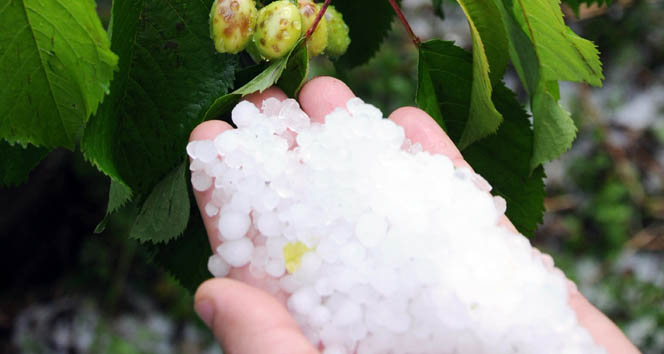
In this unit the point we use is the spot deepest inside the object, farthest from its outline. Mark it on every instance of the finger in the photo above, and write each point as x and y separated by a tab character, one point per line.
208	130
246	320
322	95
421	128
601	328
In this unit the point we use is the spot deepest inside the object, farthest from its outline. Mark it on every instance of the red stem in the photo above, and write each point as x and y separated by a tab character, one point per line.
318	17
405	23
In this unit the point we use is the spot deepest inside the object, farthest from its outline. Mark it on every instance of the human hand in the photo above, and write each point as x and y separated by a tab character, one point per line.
245	319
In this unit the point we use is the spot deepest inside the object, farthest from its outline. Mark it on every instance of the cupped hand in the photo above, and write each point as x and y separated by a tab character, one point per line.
247	320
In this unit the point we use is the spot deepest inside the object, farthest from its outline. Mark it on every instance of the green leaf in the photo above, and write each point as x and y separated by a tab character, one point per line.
446	77
522	52
56	68
504	160
248	73
438	8
118	196
165	212
544	50
186	257
264	80
100	138
446	74
369	22
296	71
425	97
17	161
554	128
489	55
488	33
222	105
562	54
169	76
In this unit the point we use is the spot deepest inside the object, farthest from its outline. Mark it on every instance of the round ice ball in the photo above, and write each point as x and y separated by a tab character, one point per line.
237	253
217	266
371	229
233	225
304	300
200	180
244	114
269	225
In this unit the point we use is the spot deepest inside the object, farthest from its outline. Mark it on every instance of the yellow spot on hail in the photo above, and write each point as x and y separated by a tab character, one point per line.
293	253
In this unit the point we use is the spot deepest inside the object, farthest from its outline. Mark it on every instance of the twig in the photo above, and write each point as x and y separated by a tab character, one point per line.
405	23
317	19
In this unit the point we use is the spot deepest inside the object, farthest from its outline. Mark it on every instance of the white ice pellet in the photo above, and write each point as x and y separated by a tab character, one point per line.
304	300
328	250
205	151
217	266
415	148
324	286
295	119
377	246
500	203
275	246
237	253
269	224
271	107
219	197
370	229
319	316
191	150
197	165
233	225
353	253
200	180
211	209
464	173
348	313
357	108
289	283
244	114
481	183
275	267
335	349
309	265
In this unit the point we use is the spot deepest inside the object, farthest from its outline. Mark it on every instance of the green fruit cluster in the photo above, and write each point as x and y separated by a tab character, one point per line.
272	31
232	23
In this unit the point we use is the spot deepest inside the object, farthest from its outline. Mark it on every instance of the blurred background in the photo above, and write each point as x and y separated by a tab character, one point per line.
68	290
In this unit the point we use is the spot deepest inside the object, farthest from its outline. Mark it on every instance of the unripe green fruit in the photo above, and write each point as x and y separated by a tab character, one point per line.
278	28
337	33
232	24
318	40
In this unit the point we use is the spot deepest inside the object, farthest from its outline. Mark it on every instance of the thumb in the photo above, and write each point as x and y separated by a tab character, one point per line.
246	320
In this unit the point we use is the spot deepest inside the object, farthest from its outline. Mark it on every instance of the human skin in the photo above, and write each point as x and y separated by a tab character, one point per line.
248	320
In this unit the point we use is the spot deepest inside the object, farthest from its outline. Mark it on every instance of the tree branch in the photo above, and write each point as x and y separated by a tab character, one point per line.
317	19
405	23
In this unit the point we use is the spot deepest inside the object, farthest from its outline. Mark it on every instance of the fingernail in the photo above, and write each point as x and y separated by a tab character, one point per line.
205	311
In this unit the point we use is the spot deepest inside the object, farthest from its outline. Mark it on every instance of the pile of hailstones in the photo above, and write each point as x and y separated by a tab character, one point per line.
377	246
